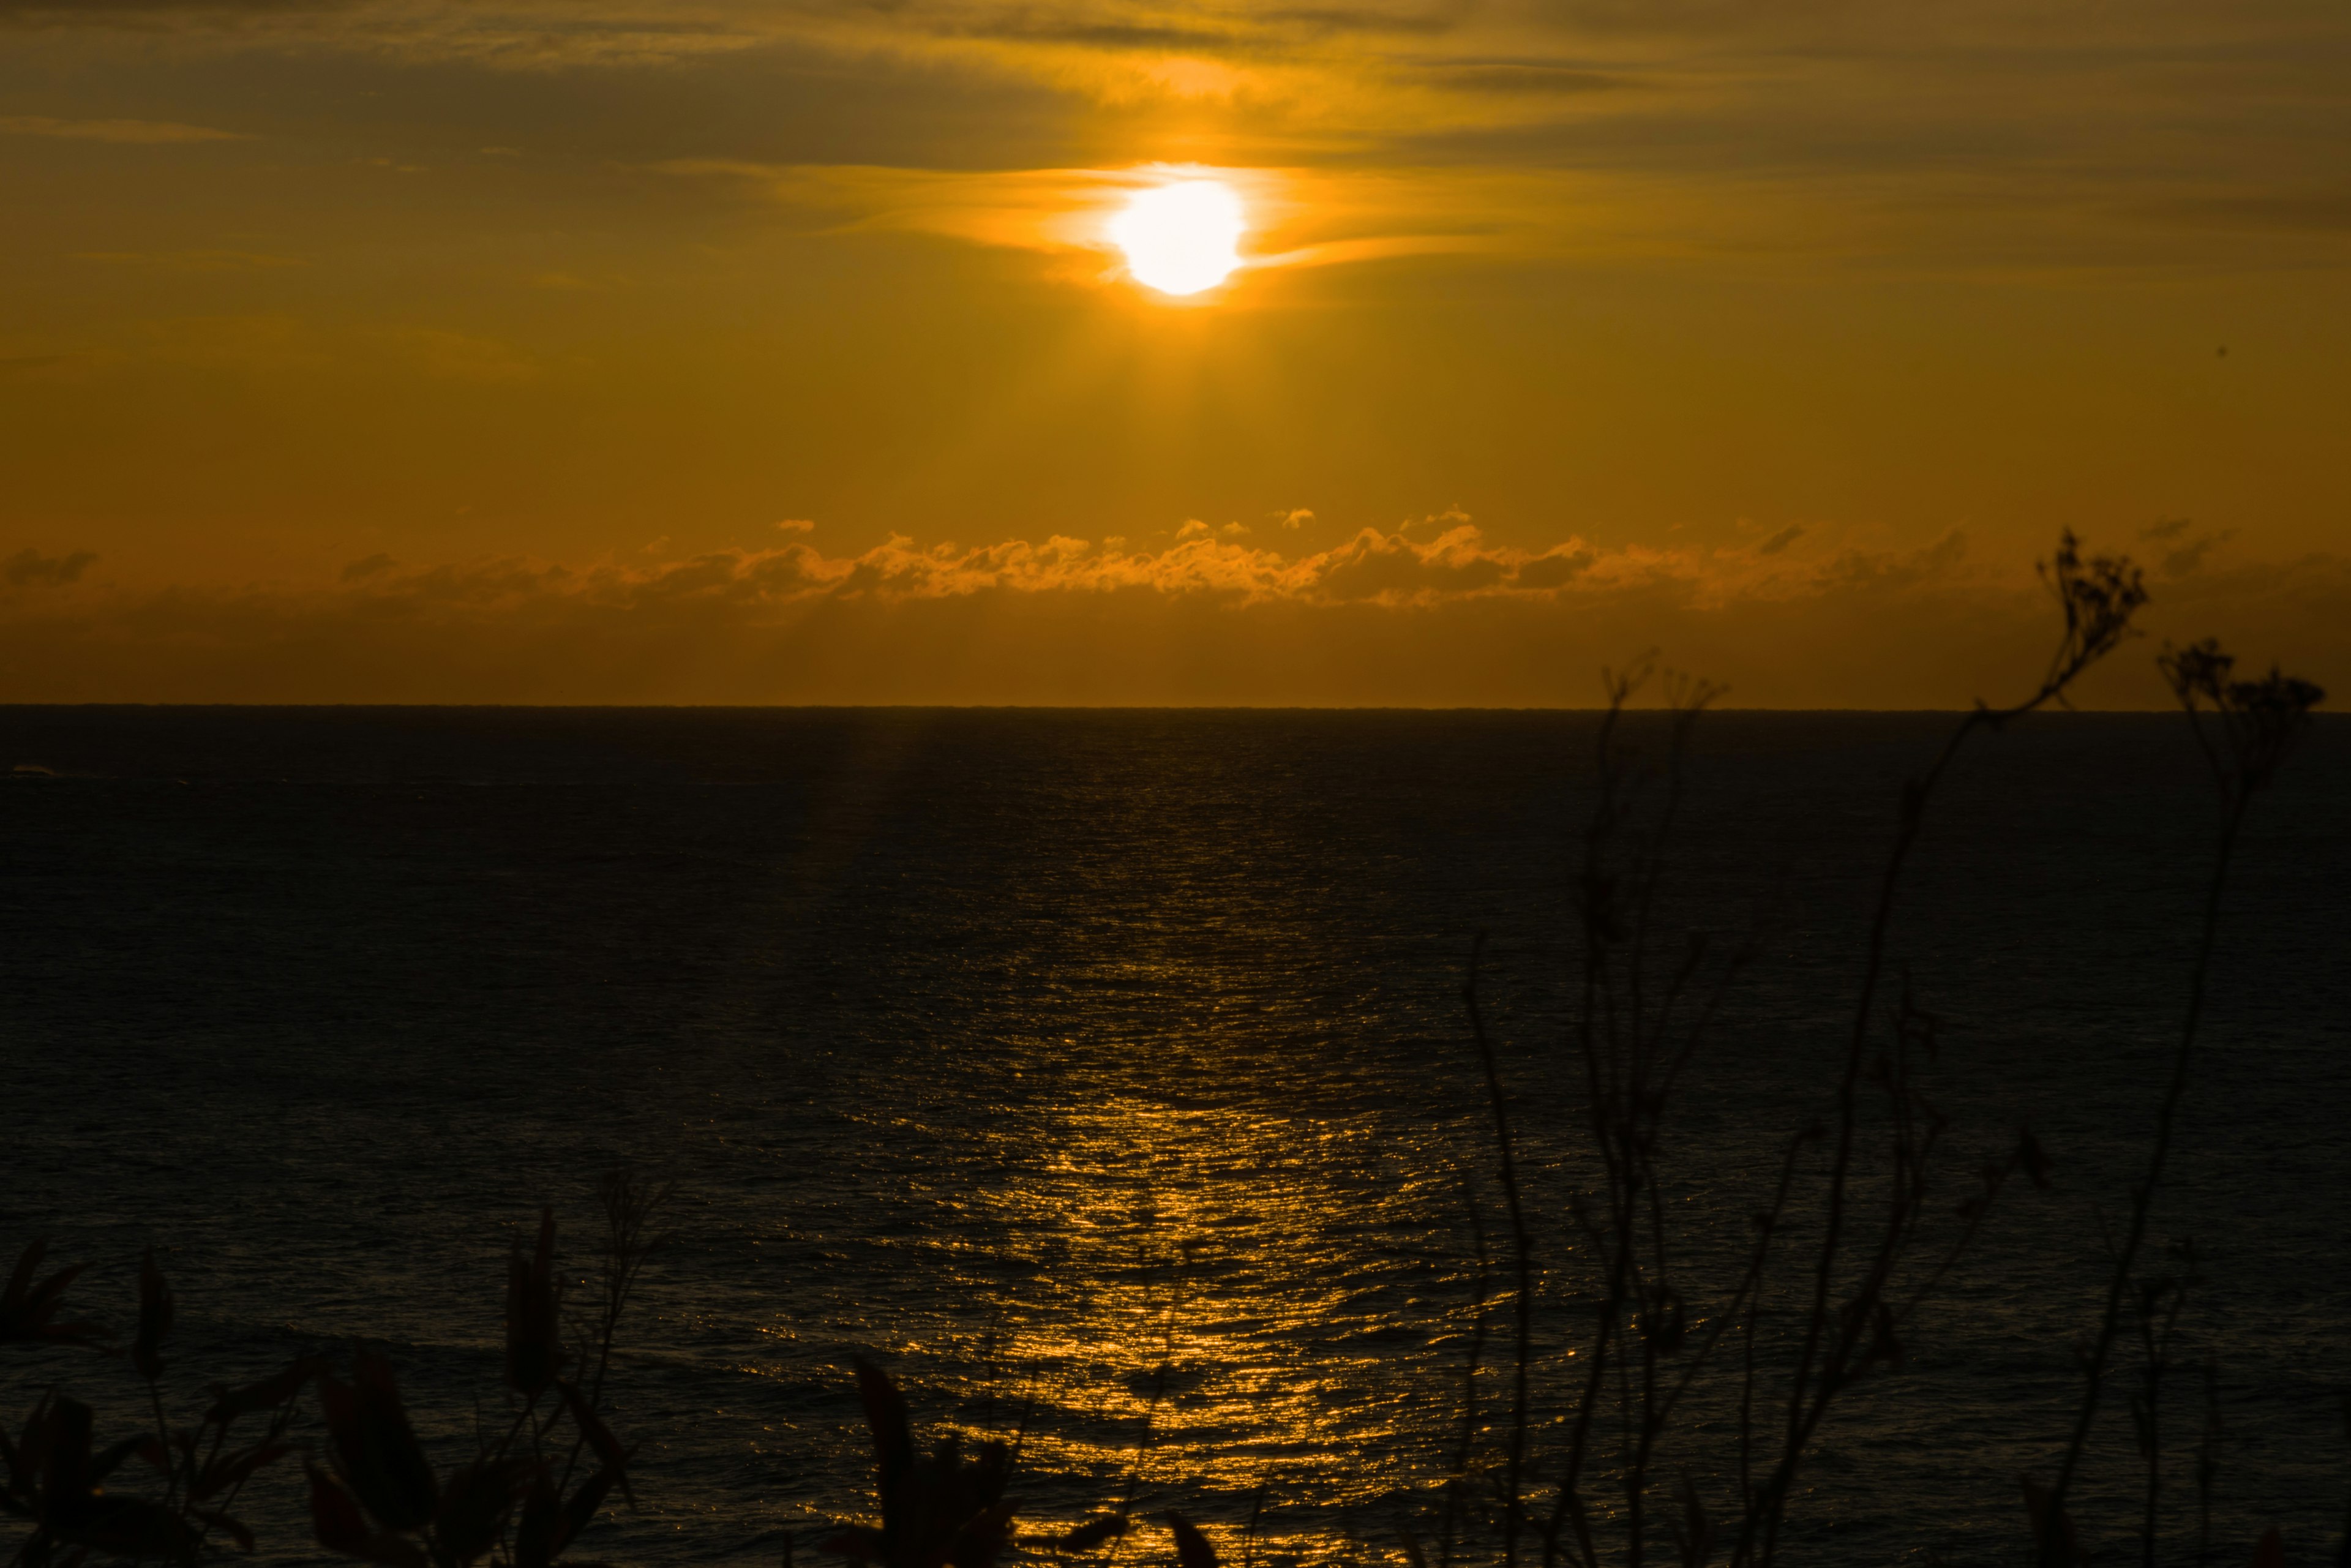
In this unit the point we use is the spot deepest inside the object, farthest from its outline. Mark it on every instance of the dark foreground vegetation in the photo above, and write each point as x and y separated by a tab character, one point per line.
1698	1383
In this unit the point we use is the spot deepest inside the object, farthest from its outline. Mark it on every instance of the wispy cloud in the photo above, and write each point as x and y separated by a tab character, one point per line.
193	260
2186	131
457	356
134	132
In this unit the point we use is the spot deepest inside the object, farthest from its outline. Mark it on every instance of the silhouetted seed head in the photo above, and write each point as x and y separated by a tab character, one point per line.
2259	720
2099	597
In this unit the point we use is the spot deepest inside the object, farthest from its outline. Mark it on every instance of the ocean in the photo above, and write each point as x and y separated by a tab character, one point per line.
1106	1076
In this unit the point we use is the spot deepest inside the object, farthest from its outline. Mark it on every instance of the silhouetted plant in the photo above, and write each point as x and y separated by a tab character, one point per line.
376	1496
1642	1016
1641	1021
943	1511
947	1510
2245	730
57	1483
2155	1308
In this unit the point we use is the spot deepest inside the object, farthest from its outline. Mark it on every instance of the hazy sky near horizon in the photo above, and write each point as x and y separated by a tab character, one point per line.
762	351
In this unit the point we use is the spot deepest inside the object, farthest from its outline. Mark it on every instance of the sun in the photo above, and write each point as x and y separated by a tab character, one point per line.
1181	238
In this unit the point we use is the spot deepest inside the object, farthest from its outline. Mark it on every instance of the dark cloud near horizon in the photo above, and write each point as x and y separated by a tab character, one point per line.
29	567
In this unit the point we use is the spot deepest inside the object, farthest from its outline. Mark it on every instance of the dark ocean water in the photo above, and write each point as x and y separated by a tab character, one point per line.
1029	1051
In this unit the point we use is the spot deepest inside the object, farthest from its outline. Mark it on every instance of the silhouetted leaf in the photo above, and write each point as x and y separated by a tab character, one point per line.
608	1449
374	1447
2034	1159
1092	1533
266	1395
26	1307
579	1508
534	1542
231	1470
885	1416
533	1354
473	1508
2271	1553
856	1542
2037	1508
126	1527
108	1459
1192	1548
154	1319
977	1541
341	1527
234	1528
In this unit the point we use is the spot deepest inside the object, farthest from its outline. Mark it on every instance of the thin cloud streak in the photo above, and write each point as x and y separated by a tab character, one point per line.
124	133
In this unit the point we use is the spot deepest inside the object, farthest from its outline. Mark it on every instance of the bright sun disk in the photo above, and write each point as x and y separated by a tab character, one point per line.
1181	238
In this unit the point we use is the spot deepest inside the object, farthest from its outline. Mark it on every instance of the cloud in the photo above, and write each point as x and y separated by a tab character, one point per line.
1691	129
193	260
457	356
30	568
2326	212
1374	566
1377	619
127	131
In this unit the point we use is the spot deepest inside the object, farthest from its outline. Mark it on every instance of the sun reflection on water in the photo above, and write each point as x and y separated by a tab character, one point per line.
1223	1307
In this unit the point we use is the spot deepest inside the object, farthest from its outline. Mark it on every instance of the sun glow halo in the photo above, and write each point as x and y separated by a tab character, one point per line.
1181	238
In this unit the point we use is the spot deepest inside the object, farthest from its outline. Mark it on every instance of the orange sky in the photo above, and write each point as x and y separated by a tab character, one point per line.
747	351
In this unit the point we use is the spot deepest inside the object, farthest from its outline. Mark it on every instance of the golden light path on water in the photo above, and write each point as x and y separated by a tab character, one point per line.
1215	1319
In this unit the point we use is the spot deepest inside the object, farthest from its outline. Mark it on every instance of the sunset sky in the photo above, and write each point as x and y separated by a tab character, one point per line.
750	351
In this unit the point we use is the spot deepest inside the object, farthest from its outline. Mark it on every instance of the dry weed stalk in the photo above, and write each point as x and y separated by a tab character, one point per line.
1645	1012
2245	730
1641	1021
